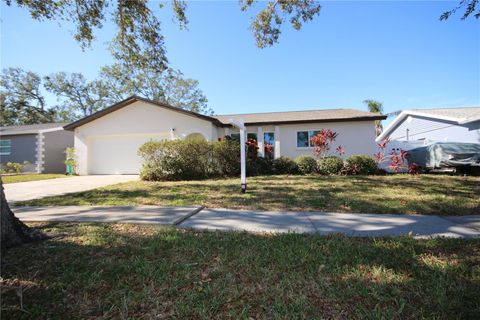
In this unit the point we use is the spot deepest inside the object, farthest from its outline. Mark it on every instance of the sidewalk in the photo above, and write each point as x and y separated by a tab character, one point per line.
358	225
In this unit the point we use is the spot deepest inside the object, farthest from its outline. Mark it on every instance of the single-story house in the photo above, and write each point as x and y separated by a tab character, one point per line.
422	126
107	142
42	145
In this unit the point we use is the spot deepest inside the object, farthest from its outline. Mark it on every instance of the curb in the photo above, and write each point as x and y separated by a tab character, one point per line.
188	216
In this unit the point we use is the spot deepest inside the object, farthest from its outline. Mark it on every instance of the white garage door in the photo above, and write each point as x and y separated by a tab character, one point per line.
117	154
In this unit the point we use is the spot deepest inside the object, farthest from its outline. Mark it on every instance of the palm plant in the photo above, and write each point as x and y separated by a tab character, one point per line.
375	107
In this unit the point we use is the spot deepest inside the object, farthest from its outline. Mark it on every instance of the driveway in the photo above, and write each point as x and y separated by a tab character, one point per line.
44	188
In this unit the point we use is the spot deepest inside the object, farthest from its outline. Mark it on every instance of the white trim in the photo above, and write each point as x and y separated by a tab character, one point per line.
50	130
308	132
404	114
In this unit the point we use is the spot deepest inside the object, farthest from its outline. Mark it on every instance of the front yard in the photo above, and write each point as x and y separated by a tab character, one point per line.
422	194
30	177
113	271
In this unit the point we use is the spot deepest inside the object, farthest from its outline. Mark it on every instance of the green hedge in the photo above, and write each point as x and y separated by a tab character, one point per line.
330	165
360	165
199	159
306	164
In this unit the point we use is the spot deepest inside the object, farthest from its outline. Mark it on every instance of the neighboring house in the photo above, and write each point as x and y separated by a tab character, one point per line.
107	142
421	126
42	145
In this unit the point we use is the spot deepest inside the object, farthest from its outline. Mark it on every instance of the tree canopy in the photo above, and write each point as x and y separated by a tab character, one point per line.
21	98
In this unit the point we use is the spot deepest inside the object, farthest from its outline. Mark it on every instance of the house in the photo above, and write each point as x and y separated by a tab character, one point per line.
421	126
42	145
107	142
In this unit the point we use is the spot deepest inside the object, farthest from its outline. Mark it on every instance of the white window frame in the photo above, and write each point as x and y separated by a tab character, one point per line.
9	145
309	137
265	143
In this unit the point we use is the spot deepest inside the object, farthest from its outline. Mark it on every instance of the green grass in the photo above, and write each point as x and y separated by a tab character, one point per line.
113	271
422	194
30	177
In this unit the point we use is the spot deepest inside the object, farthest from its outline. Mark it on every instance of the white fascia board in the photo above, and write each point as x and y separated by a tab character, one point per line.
407	113
385	133
50	130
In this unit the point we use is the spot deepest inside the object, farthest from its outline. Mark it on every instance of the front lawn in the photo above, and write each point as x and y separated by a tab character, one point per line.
422	194
114	271
29	177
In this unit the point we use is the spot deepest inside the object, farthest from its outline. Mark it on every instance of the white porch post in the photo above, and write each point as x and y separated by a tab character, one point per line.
277	142
239	124
261	149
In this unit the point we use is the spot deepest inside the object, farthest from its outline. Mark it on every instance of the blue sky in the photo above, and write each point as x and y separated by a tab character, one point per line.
395	52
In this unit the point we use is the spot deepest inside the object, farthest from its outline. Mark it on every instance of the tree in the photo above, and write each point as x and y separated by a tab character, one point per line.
375	107
266	24
12	231
21	99
168	86
79	97
470	7
139	42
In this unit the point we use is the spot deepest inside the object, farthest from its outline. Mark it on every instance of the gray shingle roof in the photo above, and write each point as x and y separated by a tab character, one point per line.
326	115
460	114
28	129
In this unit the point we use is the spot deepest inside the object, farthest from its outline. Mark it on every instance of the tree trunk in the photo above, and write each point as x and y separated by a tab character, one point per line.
14	232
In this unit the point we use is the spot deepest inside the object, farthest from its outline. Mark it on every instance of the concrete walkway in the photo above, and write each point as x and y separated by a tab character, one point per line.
144	214
361	225
22	191
358	225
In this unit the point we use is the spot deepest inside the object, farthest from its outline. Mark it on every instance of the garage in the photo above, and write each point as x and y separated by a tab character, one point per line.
117	154
107	142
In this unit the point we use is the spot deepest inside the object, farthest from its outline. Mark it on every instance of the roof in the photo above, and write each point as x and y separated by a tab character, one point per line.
306	116
459	116
29	129
129	101
330	115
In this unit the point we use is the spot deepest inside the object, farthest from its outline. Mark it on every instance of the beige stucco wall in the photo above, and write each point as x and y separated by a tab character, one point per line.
138	119
358	137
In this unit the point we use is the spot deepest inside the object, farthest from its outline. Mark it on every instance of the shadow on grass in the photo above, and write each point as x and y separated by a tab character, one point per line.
362	194
115	271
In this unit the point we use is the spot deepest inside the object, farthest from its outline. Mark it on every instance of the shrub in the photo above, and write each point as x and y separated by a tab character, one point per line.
285	165
330	165
227	157
306	164
14	167
360	164
176	160
260	166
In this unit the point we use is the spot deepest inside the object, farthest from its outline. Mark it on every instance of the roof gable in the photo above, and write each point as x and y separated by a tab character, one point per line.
128	102
454	115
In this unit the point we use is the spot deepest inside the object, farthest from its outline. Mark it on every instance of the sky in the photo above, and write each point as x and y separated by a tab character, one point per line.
396	52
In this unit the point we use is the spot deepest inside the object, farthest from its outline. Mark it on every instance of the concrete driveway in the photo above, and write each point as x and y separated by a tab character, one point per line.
52	187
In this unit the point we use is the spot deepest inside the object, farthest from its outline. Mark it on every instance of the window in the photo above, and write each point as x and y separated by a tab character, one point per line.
5	147
269	144
250	135
304	138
